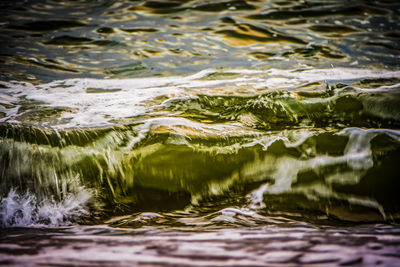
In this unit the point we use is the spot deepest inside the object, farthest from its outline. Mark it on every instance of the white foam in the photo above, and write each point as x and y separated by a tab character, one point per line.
101	102
334	74
25	210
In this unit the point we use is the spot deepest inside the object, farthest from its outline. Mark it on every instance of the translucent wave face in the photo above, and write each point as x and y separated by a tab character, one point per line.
173	163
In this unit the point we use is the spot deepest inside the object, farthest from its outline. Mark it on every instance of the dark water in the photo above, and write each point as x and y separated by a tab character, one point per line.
209	133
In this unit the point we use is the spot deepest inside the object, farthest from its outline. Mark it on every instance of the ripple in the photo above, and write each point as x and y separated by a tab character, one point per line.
318	12
49	25
182	37
266	246
246	34
72	41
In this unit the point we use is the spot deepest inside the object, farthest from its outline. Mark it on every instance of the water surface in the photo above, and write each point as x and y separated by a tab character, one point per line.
199	132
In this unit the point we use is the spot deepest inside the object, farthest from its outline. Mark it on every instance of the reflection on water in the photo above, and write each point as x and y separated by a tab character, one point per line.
290	244
199	132
47	40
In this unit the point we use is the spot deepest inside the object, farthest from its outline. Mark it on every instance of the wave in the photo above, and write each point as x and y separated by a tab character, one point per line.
168	167
309	142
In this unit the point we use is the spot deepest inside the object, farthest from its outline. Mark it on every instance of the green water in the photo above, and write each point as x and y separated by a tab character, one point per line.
200	119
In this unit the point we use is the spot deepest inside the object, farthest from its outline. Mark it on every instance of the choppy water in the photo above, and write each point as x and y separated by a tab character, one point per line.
199	132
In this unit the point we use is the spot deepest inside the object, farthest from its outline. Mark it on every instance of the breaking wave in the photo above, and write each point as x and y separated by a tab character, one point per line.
310	143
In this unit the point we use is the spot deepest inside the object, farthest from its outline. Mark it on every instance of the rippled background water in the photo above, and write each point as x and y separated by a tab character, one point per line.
212	133
48	40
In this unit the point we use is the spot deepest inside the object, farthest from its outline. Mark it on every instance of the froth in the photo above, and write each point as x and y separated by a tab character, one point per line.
25	210
96	102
